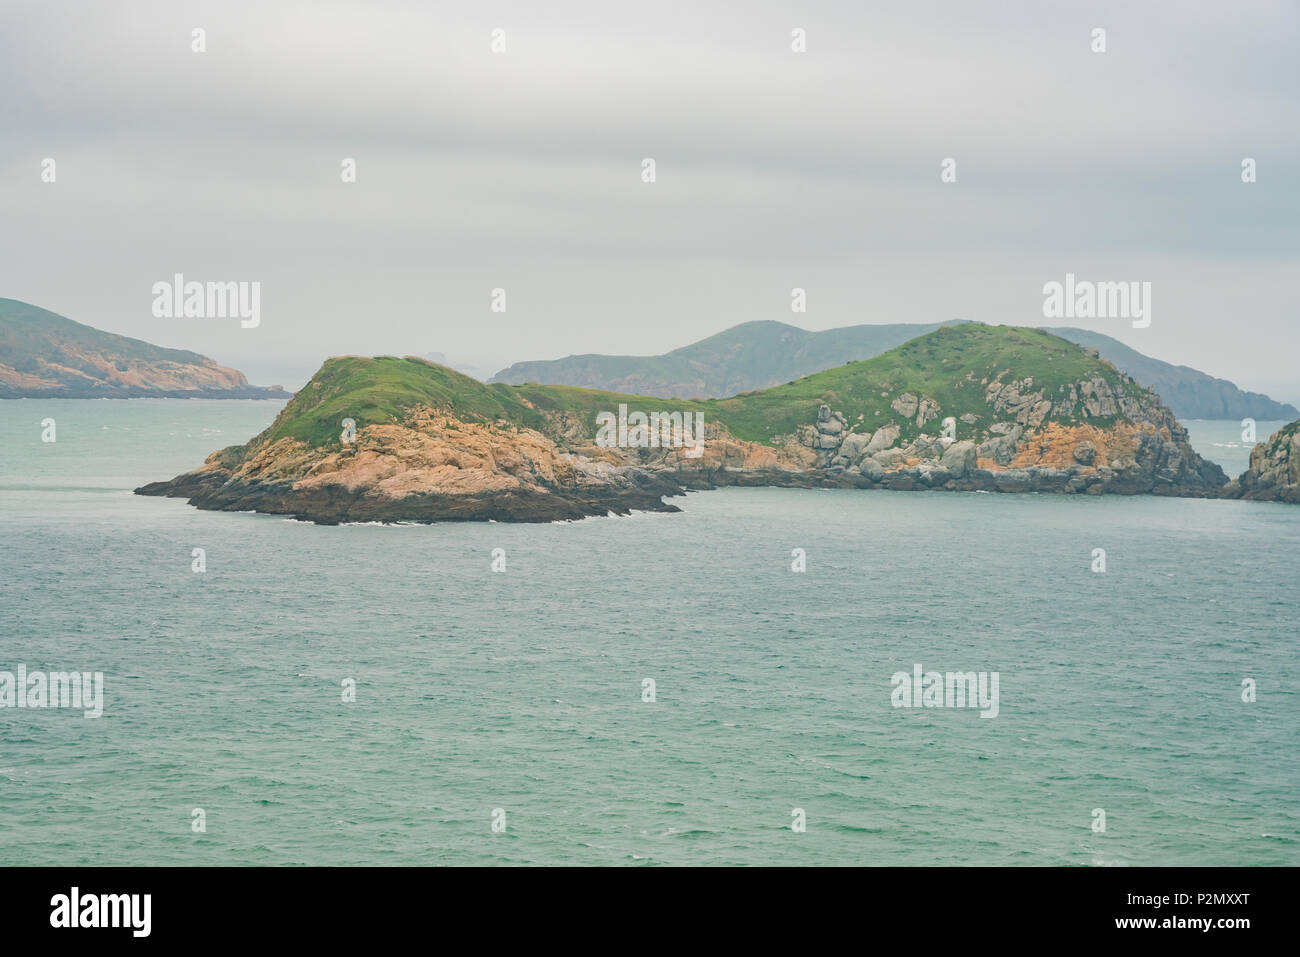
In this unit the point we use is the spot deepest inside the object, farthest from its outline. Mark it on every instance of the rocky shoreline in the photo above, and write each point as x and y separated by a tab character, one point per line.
336	505
644	490
944	413
1153	457
434	469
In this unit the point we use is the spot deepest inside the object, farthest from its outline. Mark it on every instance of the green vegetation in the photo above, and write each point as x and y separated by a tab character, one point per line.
752	355
758	355
952	366
29	332
376	391
585	404
1285	434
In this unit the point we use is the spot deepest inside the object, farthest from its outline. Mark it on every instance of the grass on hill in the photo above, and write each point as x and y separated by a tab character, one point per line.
380	390
951	365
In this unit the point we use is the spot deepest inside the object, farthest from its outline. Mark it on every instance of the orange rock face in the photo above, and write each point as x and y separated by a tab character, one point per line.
430	453
1055	445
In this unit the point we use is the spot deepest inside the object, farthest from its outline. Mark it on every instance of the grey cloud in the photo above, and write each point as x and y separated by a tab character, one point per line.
775	169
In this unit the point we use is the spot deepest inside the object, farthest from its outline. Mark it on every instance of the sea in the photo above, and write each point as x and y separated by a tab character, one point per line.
718	686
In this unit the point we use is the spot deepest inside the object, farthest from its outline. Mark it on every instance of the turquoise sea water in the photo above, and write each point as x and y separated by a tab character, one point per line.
1223	442
522	690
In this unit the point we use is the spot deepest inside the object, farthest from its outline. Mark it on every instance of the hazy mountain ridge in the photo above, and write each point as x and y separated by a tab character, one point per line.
1192	394
766	353
749	356
45	355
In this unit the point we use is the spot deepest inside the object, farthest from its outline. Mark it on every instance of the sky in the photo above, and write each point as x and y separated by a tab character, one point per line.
774	169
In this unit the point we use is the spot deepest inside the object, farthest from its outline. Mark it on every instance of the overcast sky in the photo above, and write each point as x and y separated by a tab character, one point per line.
775	169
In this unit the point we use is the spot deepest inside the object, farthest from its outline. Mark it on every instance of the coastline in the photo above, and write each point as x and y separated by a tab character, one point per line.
218	489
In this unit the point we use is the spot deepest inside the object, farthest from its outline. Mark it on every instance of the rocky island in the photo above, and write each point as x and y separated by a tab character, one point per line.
1274	473
964	408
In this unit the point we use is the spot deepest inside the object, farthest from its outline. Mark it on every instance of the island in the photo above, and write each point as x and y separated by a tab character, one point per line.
964	408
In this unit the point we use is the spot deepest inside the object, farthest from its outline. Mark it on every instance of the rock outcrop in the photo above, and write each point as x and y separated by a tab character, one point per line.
430	467
1274	473
1124	458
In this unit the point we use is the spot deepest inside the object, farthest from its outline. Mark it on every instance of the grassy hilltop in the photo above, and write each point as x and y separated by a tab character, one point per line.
952	366
380	390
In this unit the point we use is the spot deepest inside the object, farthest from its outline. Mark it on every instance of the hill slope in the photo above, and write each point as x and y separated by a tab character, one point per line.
43	354
752	355
1190	393
759	355
969	407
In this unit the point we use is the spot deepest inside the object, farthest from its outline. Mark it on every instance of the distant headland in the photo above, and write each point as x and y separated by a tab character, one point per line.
45	355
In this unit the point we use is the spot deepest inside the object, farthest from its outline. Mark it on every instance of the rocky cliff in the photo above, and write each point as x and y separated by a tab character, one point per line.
1274	473
429	467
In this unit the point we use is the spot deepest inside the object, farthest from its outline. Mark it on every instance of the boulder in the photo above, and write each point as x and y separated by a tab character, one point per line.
888	459
1048	479
854	445
905	405
933	476
960	458
925	447
1012	480
927	411
1001	449
884	438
